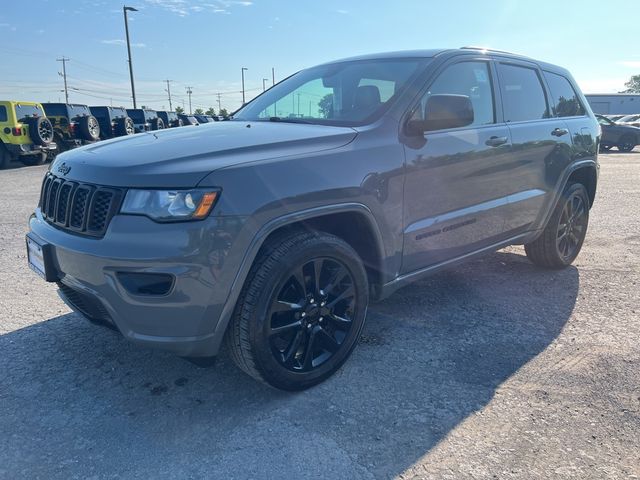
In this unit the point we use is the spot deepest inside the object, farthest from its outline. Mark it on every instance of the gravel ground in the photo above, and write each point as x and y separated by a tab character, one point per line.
494	369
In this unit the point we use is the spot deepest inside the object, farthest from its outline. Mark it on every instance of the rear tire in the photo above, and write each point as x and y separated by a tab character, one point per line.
124	127
89	128
157	124
627	143
562	238
40	130
300	312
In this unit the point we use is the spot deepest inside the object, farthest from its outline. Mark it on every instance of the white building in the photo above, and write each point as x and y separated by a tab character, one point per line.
614	103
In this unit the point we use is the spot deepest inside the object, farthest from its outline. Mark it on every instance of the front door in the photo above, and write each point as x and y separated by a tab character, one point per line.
458	180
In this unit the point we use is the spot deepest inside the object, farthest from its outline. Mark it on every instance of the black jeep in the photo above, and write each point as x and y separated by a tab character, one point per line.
145	119
114	122
73	125
170	119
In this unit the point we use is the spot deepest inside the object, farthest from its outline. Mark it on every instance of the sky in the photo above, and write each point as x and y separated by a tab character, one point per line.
203	44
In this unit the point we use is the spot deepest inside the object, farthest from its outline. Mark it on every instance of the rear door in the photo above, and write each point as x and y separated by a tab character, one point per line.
542	146
567	104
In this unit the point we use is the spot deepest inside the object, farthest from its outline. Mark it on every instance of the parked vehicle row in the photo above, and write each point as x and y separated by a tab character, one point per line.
34	133
629	120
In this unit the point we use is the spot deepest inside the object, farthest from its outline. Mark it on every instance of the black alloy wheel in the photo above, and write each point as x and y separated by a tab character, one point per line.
561	240
572	226
312	314
301	310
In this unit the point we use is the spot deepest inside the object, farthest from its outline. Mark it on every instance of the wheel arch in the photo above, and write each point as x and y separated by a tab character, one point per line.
587	175
333	219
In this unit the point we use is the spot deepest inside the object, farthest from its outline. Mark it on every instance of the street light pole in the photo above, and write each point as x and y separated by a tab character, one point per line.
126	29
243	99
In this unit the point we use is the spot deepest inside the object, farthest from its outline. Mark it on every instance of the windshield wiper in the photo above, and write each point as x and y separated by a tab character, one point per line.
288	120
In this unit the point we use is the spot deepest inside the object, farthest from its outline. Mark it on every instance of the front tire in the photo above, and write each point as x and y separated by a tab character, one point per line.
33	160
5	157
561	240
300	312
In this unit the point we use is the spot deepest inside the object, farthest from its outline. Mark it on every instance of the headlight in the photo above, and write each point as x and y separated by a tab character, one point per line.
169	205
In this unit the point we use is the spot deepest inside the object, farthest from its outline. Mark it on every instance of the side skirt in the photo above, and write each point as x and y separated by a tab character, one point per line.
407	278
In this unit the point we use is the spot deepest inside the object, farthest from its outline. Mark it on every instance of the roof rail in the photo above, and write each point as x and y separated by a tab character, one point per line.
474	47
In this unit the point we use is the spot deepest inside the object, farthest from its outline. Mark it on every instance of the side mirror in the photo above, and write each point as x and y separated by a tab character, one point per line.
442	112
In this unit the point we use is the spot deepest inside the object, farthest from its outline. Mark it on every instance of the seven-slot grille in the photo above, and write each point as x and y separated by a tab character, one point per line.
79	207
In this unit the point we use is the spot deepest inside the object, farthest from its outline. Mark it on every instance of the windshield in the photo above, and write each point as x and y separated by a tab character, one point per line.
347	93
604	120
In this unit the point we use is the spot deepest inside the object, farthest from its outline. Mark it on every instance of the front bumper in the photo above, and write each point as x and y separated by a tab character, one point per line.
199	256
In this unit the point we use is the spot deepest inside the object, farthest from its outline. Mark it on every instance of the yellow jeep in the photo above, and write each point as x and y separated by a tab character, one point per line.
25	133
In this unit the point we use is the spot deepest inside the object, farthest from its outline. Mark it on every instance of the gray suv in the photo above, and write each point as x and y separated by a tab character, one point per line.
272	231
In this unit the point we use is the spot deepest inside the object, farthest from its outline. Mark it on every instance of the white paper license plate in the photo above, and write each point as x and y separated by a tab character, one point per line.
35	255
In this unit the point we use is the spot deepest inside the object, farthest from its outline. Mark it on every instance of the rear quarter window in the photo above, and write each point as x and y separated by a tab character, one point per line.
3	114
24	111
565	101
136	115
56	110
78	110
523	96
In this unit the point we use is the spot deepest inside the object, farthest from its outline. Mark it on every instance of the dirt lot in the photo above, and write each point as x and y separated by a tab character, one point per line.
495	369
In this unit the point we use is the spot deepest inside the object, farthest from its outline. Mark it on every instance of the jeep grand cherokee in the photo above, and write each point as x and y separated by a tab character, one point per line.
335	187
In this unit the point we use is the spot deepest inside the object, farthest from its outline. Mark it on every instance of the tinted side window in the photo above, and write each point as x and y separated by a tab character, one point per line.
472	79
522	94
565	100
3	113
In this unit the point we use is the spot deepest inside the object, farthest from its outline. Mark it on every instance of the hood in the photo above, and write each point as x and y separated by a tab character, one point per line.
181	157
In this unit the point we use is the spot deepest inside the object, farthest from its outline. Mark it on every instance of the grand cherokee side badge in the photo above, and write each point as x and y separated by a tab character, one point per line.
64	168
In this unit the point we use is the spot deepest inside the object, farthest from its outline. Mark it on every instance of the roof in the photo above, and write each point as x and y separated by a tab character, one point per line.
430	53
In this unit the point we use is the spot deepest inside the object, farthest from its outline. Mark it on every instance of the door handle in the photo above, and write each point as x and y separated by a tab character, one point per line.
496	141
558	132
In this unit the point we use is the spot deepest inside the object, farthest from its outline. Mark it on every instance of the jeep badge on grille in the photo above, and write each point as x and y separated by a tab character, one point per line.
64	168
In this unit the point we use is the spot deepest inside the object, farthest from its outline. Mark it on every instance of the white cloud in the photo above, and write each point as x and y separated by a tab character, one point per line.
184	8
343	12
631	63
119	41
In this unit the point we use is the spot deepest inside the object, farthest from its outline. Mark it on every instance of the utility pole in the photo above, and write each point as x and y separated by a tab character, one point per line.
219	103
243	100
168	90
126	29
189	92
64	61
264	87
